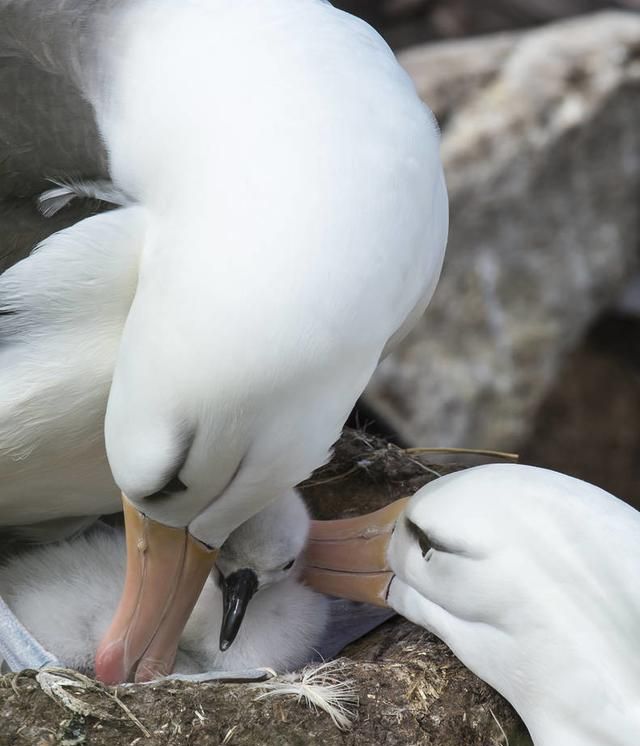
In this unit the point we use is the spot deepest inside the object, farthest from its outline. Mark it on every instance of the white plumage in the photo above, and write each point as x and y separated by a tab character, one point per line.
289	226
532	578
69	299
291	221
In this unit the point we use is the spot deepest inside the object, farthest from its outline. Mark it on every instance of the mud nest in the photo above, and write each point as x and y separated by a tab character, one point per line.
410	688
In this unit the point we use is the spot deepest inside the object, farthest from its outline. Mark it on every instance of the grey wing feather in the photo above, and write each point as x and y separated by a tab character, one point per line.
48	129
348	622
224	677
18	648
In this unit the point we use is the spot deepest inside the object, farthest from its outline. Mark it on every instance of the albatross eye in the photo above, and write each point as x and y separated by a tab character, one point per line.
171	487
419	535
289	565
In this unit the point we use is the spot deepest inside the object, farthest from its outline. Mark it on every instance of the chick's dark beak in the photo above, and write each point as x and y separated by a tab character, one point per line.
237	590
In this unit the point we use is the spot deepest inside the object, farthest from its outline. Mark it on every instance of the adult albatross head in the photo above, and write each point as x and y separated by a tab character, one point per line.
530	577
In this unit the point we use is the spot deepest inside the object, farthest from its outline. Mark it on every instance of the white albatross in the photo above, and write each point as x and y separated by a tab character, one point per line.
531	577
287	226
66	593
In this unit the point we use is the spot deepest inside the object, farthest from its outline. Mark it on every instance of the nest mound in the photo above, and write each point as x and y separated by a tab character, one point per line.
410	688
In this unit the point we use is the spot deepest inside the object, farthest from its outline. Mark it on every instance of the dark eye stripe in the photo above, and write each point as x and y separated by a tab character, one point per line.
419	535
171	487
427	542
175	484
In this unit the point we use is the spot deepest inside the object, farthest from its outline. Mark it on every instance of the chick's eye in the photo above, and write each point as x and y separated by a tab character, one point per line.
289	565
419	535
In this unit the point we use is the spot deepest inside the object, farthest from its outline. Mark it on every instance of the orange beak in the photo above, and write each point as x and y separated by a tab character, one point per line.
166	570
348	557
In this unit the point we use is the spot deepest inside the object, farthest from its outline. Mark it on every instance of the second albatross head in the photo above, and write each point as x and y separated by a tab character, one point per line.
530	577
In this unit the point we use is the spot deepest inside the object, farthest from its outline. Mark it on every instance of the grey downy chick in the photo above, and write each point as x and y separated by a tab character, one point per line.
264	551
65	594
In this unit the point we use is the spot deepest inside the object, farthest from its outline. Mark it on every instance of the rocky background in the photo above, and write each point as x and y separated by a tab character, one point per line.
526	345
407	22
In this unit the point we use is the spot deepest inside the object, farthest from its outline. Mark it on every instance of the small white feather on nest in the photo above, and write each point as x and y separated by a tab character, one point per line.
320	687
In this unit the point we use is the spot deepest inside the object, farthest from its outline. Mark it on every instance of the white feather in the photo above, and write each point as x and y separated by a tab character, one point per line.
68	302
321	687
53	200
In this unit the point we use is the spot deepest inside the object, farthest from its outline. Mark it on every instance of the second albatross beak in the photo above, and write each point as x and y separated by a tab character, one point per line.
166	570
348	557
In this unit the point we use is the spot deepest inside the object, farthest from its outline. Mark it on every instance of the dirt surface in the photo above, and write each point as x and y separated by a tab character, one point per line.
427	698
411	689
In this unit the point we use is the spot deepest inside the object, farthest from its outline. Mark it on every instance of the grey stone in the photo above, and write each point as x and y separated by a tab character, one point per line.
406	22
542	157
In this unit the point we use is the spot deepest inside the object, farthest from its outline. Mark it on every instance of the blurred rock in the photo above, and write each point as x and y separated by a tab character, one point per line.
542	154
448	75
404	22
573	432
